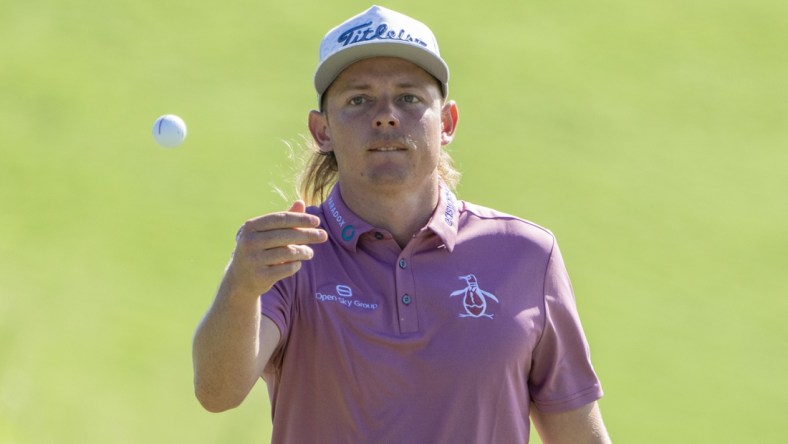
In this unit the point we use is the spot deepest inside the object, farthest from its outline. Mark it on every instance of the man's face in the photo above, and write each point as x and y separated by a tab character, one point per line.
386	122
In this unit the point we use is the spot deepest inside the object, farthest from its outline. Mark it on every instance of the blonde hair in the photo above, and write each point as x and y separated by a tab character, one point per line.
319	174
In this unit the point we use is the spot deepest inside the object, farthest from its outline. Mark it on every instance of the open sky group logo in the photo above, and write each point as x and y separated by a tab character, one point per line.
343	295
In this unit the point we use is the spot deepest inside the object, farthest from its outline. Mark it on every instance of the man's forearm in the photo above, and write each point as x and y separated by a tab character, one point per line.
226	351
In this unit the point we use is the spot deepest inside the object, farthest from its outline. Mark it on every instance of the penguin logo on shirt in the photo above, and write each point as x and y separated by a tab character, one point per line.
474	299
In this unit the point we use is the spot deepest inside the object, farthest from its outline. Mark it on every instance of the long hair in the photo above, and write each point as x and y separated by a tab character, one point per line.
320	174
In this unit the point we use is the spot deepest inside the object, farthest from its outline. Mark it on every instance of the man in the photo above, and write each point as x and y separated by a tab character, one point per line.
391	311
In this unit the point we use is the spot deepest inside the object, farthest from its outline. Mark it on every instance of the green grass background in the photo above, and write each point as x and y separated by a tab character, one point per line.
649	135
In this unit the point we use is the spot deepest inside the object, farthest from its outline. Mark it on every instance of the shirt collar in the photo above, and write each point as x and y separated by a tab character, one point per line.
445	219
347	227
342	223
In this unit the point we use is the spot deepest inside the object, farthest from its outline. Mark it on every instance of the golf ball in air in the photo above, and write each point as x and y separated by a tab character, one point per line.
169	130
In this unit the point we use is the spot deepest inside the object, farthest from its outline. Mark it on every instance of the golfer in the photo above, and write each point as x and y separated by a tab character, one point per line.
381	308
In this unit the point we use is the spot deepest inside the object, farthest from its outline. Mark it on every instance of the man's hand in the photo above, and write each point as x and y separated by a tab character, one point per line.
271	247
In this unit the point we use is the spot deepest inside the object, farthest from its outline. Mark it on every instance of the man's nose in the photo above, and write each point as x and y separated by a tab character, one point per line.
385	115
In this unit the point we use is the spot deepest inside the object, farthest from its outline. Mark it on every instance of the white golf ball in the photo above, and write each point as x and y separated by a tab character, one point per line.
169	130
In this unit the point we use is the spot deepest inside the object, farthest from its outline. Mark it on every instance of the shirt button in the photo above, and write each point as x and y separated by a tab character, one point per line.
378	235
406	299
403	263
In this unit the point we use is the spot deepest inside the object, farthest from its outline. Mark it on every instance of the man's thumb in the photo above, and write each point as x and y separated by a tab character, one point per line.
298	207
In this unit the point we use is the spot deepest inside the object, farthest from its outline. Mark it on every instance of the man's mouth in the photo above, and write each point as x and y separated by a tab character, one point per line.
384	149
387	146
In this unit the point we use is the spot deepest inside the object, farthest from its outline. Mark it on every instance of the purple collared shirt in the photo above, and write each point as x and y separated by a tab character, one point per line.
447	340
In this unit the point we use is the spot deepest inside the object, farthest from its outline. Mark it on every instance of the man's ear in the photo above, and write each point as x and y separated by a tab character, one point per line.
318	126
449	118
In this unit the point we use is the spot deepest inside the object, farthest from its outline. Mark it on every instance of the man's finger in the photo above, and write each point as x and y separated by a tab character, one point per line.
286	219
264	240
283	255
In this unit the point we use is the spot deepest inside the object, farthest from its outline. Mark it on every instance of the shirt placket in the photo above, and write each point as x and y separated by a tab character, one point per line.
407	299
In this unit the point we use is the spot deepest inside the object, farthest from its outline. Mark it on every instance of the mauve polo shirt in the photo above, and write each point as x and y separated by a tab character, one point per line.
445	341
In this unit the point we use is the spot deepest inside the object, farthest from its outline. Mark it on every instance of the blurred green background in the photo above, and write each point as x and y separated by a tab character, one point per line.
650	136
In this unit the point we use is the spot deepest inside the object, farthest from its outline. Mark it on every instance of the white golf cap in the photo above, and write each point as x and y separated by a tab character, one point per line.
378	32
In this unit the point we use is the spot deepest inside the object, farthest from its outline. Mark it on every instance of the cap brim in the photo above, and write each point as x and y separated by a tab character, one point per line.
328	71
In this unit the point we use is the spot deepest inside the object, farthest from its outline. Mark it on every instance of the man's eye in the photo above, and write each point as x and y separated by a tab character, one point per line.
410	98
358	100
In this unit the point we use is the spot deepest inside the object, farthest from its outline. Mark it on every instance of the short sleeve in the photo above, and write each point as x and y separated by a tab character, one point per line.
277	304
562	377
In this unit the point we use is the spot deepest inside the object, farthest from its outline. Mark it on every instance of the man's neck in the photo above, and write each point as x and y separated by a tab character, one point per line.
401	213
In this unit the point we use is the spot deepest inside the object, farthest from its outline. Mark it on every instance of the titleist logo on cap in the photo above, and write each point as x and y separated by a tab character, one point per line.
365	33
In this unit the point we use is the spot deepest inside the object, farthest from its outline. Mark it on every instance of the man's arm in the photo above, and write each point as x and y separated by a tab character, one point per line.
232	345
579	426
234	341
